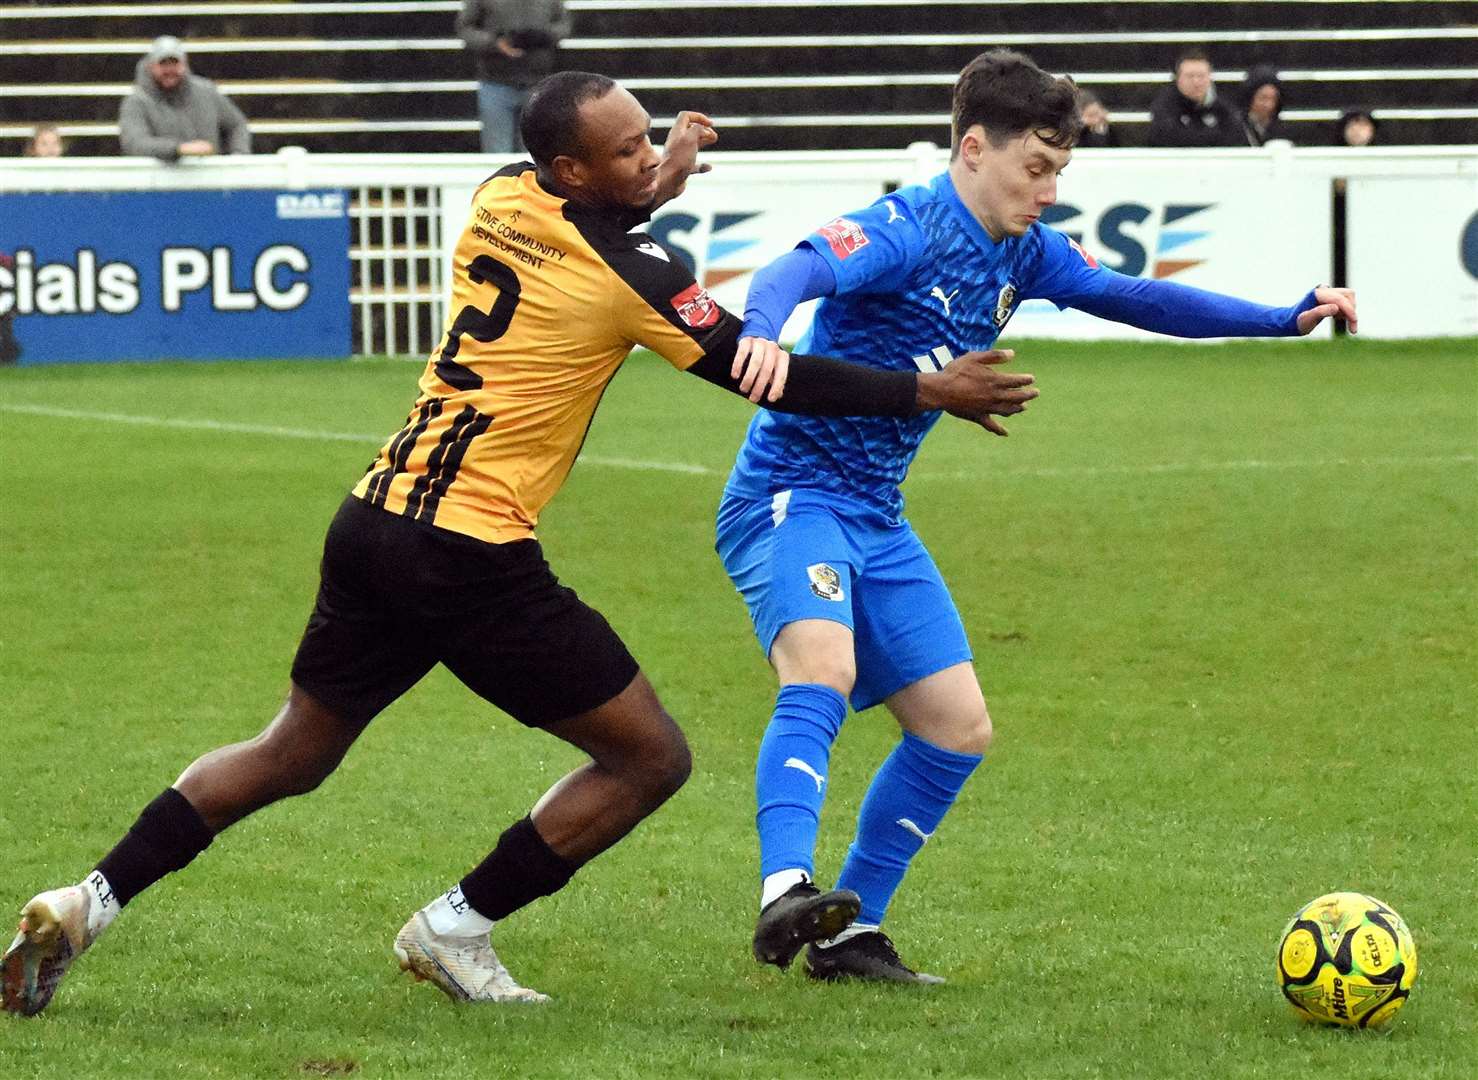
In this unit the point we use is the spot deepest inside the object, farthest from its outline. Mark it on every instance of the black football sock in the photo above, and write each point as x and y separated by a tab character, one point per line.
167	835
520	869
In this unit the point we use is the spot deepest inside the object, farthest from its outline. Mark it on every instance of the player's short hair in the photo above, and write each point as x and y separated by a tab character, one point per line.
550	124
1193	53
1008	95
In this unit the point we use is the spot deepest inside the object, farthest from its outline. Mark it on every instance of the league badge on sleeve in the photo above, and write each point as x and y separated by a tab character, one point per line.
844	236
695	307
1081	250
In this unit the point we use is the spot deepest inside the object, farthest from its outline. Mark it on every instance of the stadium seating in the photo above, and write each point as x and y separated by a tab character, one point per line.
390	75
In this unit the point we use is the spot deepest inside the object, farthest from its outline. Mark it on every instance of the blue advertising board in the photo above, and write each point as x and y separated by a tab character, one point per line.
191	275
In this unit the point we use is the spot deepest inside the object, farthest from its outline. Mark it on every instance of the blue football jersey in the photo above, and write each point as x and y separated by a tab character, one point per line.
919	282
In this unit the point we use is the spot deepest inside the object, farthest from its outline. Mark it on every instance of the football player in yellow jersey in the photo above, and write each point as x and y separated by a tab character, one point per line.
432	558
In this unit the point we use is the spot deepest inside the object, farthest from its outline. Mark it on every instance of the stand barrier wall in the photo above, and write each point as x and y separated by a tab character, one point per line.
322	255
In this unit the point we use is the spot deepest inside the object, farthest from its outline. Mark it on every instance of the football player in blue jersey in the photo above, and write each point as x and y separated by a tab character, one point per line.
845	600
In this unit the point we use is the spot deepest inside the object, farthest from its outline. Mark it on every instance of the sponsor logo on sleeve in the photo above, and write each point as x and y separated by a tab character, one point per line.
695	307
845	237
1089	259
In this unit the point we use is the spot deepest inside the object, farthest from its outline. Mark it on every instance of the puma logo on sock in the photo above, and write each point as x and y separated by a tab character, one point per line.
911	827
797	763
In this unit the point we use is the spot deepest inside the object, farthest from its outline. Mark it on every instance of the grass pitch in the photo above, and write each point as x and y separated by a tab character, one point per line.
1223	604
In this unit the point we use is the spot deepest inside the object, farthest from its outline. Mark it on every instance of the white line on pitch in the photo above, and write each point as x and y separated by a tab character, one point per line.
235	428
1040	472
1250	465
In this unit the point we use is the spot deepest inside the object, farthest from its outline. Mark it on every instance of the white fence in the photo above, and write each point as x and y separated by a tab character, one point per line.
1259	223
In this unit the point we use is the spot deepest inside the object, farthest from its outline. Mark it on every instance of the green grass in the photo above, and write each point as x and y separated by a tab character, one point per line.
1223	603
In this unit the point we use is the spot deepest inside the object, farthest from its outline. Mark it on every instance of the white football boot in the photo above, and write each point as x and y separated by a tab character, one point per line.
53	933
466	968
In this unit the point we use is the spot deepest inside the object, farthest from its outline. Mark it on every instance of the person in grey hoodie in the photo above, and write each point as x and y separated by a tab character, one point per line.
170	113
513	43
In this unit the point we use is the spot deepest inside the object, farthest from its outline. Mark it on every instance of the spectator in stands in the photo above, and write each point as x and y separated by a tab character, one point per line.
513	43
1188	112
1262	100
1096	128
45	141
171	113
1356	128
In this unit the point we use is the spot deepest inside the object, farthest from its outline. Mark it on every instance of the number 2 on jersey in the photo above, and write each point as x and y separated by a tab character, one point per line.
484	326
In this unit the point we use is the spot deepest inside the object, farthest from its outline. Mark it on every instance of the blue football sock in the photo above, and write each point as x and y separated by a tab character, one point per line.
790	775
904	805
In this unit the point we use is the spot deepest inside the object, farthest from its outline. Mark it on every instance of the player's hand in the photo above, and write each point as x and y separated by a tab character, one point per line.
1331	302
971	388
764	364
691	132
507	48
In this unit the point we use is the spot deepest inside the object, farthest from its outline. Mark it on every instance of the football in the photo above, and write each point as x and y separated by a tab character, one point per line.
1347	959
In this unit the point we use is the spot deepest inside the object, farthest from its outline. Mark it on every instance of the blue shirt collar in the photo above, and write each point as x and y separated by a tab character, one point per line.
944	187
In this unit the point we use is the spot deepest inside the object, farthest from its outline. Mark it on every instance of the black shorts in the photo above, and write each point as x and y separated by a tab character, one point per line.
398	596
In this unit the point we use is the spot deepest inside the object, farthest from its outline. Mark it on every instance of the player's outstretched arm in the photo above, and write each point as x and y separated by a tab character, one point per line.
969	387
1167	307
1068	276
815	385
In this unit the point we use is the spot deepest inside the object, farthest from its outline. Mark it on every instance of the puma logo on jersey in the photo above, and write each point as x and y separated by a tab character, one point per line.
797	763
911	827
893	214
654	250
938	294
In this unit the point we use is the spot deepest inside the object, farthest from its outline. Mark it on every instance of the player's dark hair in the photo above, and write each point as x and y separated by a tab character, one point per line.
550	124
1191	54
1008	95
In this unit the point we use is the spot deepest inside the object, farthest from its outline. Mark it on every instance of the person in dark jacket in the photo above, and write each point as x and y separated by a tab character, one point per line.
1188	112
513	43
1262	102
171	113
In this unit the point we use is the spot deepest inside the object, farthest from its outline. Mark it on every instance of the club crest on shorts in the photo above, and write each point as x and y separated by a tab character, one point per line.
825	582
1004	303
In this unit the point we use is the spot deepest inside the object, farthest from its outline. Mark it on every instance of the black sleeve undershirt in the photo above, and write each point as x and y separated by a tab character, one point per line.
821	386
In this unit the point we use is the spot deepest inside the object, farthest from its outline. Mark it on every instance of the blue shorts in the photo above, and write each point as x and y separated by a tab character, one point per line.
811	554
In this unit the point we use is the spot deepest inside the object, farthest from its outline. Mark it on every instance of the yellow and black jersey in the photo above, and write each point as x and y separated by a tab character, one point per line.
548	297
